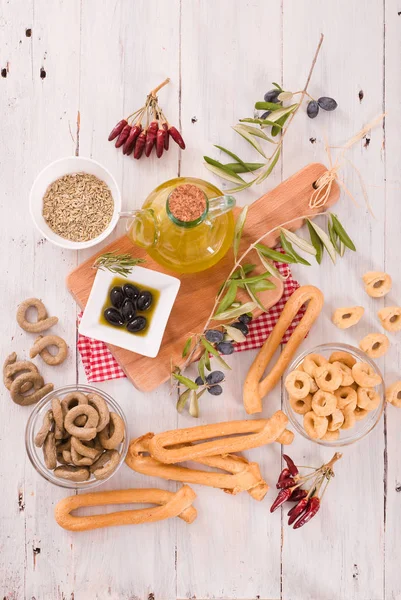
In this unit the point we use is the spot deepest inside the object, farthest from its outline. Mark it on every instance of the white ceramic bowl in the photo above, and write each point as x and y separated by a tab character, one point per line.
66	166
147	345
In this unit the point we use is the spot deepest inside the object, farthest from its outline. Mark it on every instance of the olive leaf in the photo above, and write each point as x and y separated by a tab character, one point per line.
213	351
234	156
222	171
333	237
342	248
262	286
298	241
249	138
247	268
255	130
193	404
183	399
186	381
279	125
247	168
186	347
233	313
239	226
317	243
281	112
274	255
235	334
247	280
287	246
201	368
241	187
324	238
342	234
271	268
267	106
270	168
207	361
228	298
285	96
254	297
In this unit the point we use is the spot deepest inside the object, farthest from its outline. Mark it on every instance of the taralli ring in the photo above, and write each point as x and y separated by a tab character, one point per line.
323	403
336	419
113	434
72	473
375	344
301	405
390	318
347	317
343	357
88	430
349	416
368	398
377	283
70	401
49	451
13	369
297	384
43	342
255	388
331	436
360	413
43	321
90	449
110	460
393	394
345	396
347	378
364	375
44	430
312	362
315	426
58	418
328	377
101	406
39	389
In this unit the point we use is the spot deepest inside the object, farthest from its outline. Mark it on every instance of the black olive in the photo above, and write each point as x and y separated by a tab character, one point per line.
225	348
144	300
113	316
131	291
199	381
272	95
245	319
312	109
241	326
137	324
215	377
214	336
128	310
215	390
117	297
327	103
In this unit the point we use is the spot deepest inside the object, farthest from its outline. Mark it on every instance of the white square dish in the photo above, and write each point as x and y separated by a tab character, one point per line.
147	345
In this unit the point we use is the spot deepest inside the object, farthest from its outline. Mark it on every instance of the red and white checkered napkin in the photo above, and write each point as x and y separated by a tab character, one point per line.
100	365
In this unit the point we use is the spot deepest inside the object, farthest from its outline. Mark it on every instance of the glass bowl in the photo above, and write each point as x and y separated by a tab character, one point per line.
35	422
361	427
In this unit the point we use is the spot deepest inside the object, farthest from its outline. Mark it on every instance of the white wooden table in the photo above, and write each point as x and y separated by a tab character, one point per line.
69	70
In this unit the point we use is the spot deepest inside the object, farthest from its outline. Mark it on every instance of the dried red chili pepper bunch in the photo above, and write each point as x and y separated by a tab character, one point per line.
134	137
307	500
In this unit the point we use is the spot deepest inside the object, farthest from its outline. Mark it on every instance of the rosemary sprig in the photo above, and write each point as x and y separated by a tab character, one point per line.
120	263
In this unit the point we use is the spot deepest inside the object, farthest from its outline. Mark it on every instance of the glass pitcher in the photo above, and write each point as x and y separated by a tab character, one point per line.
185	224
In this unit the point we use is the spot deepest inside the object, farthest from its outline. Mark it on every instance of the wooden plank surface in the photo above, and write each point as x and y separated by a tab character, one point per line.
84	65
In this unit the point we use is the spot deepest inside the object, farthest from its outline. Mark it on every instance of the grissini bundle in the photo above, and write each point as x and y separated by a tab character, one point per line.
224	438
241	475
178	504
255	388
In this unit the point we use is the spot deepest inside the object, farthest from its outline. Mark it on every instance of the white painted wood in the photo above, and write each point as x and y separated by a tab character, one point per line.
101	58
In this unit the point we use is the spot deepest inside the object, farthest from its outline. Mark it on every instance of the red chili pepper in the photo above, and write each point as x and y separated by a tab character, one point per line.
284	474
151	137
123	136
161	134
167	136
313	507
117	130
140	144
285	483
291	465
282	497
297	510
177	137
130	143
298	494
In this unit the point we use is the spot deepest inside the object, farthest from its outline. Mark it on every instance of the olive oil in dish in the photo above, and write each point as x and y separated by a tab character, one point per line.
129	306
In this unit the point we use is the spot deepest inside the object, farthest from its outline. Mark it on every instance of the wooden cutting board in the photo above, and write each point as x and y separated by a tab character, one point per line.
197	292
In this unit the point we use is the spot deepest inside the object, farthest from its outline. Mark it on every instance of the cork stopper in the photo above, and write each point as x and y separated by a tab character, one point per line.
187	203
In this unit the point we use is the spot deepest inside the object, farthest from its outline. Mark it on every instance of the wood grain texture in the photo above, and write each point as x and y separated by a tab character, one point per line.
195	299
101	57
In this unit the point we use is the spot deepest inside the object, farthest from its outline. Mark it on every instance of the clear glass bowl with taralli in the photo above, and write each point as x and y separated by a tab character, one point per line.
362	427
35	422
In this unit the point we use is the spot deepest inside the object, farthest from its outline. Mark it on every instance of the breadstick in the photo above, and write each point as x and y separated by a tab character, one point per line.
257	433
244	476
255	388
178	504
